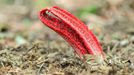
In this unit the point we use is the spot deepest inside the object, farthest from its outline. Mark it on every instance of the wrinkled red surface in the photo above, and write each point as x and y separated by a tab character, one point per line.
72	30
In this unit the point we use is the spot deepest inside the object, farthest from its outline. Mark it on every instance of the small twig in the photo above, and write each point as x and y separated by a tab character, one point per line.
38	73
115	47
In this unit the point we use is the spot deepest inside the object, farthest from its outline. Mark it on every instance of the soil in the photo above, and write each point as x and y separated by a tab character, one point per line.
53	56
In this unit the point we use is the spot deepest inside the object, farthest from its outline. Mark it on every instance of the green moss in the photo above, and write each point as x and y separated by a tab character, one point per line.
82	12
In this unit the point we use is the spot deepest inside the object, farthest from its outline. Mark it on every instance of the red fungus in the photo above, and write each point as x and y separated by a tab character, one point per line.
76	33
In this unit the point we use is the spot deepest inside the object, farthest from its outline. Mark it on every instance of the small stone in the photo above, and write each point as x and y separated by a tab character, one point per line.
124	42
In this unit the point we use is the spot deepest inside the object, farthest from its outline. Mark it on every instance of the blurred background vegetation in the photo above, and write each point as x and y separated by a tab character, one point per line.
19	18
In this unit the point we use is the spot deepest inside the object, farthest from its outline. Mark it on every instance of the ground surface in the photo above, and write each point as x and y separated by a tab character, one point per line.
53	56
